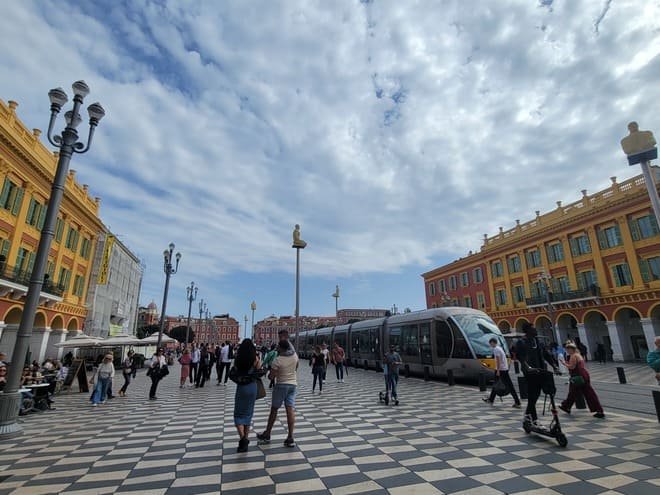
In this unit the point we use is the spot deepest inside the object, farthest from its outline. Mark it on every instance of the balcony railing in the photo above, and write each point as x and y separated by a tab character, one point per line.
22	277
571	295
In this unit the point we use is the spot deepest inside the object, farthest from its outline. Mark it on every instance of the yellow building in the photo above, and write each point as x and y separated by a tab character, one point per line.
597	260
27	170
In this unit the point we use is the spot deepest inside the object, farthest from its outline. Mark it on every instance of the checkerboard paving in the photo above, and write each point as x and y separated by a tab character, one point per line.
439	440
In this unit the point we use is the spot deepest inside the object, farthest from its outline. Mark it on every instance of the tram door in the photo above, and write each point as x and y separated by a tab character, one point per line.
425	343
443	346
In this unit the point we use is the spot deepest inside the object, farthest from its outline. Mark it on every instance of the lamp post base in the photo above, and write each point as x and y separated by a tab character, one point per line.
9	407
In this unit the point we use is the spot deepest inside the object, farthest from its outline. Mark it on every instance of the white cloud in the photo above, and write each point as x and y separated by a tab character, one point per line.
394	132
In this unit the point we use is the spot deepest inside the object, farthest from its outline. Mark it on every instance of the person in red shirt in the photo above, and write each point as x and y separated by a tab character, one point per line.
338	357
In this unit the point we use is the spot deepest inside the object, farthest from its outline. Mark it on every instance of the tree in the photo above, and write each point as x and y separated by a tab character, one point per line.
147	330
179	333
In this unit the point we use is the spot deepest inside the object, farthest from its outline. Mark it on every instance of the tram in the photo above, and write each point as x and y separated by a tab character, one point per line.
430	342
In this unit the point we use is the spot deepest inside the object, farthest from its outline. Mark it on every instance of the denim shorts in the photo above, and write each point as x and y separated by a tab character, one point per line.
284	393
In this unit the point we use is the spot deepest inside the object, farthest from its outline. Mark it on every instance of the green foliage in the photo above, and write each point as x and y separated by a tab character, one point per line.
145	331
179	333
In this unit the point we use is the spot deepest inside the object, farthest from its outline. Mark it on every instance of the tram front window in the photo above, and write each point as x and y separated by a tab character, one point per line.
479	329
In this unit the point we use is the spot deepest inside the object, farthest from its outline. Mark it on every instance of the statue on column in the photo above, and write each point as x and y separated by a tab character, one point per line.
639	146
297	241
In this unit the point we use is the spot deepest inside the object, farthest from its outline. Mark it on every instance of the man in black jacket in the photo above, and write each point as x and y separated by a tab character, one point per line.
532	355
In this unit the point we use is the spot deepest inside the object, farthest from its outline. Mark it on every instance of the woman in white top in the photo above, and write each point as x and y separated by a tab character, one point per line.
102	379
156	369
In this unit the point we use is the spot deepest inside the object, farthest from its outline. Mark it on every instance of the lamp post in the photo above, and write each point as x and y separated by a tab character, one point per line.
253	307
245	327
169	270
298	244
191	295
545	278
640	147
68	144
202	308
336	296
207	327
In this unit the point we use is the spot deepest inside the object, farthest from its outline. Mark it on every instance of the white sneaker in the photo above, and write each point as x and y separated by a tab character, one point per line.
102	402
94	405
342	380
320	392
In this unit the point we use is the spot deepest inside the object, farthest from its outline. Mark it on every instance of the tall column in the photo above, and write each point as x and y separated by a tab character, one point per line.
617	351
588	339
649	332
40	337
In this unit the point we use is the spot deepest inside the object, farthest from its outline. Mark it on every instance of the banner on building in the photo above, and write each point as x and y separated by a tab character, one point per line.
105	261
116	330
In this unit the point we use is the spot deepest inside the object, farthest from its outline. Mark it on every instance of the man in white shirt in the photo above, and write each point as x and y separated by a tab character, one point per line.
194	363
225	362
501	373
283	370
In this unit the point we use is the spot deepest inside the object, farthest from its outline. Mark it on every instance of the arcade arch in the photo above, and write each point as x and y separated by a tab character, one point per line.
629	328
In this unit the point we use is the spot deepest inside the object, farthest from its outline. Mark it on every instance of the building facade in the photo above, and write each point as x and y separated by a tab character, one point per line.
148	315
27	170
114	289
589	269
266	331
215	330
345	316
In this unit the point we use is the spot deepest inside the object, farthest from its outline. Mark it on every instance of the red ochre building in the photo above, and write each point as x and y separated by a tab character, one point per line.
266	330
213	331
596	259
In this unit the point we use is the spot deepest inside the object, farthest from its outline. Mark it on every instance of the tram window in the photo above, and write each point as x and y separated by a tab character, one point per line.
479	330
395	337
341	340
364	343
375	341
461	349
443	339
409	340
425	342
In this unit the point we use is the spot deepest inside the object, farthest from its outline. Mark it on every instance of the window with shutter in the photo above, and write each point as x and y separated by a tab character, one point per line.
654	267
42	218
575	248
18	201
644	270
30	212
551	254
602	240
59	230
634	229
4	196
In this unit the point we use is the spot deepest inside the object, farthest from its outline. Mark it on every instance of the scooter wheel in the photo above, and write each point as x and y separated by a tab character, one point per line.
527	427
562	440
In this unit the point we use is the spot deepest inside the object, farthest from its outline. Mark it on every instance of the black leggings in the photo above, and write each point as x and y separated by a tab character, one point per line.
318	375
154	386
127	381
534	382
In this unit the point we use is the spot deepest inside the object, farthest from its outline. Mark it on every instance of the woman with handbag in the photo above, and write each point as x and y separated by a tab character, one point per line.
101	380
246	373
156	372
579	383
128	368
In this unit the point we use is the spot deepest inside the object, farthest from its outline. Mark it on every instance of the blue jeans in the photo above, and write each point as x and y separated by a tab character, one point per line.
392	380
100	390
283	393
339	370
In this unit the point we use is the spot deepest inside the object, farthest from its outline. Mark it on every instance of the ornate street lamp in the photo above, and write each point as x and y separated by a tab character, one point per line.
169	270
336	296
68	144
545	278
298	244
253	307
245	327
202	308
191	295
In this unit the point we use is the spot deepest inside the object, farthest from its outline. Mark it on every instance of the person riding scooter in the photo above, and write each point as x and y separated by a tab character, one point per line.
532	355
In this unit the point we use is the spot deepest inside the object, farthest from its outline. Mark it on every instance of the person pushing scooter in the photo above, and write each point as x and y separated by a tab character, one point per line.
392	363
532	355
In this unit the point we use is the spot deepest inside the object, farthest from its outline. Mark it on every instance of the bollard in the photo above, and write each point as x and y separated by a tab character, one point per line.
406	370
622	374
427	374
522	387
450	377
579	402
378	367
656	401
482	382
516	367
366	365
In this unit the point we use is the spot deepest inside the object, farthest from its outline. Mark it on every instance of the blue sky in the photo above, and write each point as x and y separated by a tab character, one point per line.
395	133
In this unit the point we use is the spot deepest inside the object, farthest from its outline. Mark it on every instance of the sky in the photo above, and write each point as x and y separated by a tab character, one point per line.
396	133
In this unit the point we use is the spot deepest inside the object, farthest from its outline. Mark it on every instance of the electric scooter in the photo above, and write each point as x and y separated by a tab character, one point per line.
553	430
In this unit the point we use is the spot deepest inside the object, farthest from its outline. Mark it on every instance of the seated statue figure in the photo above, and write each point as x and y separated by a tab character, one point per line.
297	241
639	146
